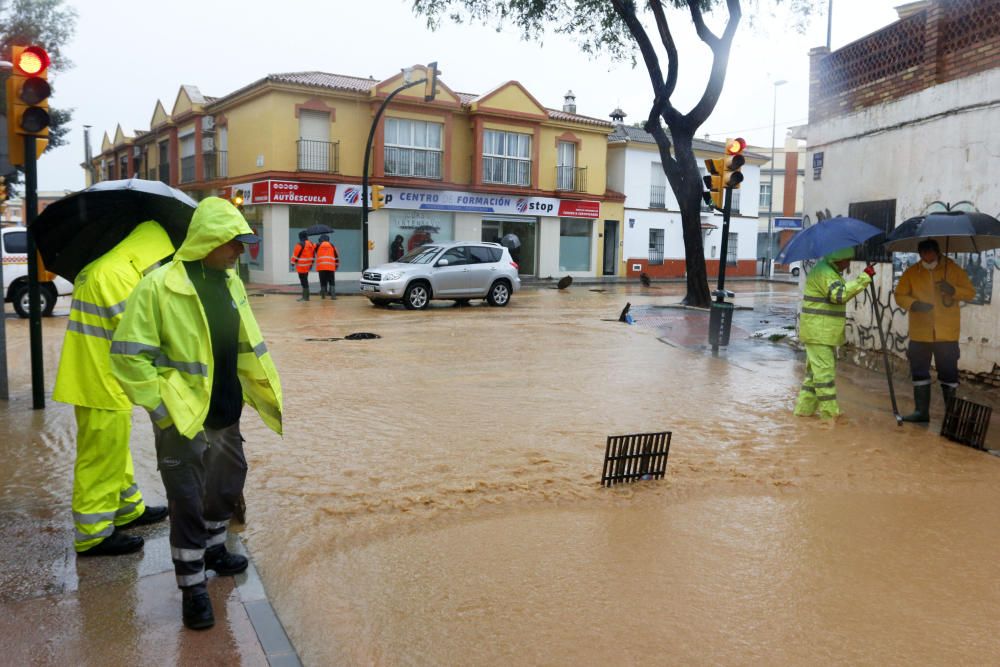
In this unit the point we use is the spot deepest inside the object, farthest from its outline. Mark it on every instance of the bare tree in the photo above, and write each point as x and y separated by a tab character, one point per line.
614	27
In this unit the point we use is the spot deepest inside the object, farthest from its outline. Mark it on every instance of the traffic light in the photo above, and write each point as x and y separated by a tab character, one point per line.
28	93
3	189
431	82
238	199
734	162
378	198
714	180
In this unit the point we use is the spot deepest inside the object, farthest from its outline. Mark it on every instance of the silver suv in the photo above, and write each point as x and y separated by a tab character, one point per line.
460	271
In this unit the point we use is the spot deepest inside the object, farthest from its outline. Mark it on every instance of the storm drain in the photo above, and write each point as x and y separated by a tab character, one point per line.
635	457
361	335
966	423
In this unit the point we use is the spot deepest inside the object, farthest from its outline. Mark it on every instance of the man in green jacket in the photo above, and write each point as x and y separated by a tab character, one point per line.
821	329
106	498
189	350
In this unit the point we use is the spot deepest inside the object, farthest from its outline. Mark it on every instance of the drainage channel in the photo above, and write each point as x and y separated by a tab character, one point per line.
360	335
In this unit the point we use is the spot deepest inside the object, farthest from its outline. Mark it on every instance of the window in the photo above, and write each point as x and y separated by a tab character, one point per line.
765	196
313	147
566	166
506	158
163	148
735	206
346	225
123	167
15	242
656	246
482	255
413	148
187	158
731	248
413	228
574	244
455	256
657	186
881	214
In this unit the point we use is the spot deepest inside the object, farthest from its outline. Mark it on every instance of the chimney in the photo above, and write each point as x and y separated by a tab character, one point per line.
569	102
618	116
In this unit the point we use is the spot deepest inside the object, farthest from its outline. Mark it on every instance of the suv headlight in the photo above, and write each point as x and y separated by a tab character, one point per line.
392	275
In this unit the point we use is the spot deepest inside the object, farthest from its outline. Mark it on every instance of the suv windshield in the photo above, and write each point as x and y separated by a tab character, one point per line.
422	255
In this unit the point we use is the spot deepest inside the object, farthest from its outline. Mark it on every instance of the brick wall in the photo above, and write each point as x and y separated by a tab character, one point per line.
949	39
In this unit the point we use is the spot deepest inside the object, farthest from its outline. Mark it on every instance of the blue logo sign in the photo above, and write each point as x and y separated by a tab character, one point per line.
788	223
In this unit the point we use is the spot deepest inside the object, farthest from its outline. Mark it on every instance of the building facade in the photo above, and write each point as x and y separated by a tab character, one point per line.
653	241
781	200
901	123
461	167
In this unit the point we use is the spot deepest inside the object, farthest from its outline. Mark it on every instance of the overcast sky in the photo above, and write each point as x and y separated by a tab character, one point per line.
129	53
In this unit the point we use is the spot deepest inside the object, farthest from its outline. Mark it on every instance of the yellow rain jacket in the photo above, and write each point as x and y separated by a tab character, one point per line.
162	350
943	322
99	294
824	303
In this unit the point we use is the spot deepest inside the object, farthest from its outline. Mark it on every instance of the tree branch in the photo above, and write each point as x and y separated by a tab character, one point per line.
656	6
720	62
704	34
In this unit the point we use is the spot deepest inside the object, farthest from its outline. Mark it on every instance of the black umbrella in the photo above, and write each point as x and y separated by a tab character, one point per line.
955	231
79	228
318	229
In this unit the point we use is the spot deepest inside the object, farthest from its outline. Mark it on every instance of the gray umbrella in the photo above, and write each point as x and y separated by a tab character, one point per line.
510	241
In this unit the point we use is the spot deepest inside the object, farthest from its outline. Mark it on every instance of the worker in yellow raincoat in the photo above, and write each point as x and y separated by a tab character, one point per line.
821	329
106	498
931	291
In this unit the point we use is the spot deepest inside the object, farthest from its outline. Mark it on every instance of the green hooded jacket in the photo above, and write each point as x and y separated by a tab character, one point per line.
162	349
99	294
824	302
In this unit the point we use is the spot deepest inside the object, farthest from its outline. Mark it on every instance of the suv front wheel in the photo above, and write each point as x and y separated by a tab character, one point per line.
417	296
499	294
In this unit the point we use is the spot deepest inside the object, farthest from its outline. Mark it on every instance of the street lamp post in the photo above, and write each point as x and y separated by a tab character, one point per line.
432	72
770	199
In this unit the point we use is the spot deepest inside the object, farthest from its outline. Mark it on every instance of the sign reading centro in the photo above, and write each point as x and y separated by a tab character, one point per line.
330	194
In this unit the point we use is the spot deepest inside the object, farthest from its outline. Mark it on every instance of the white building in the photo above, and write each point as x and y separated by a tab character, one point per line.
653	241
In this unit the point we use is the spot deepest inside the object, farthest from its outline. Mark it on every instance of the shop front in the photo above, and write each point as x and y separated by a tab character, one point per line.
547	237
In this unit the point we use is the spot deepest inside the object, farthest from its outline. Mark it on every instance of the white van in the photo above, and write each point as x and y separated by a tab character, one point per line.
14	251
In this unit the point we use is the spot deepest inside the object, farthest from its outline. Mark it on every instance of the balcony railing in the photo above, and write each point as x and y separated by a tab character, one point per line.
655	256
416	162
216	165
506	171
657	196
321	156
571	178
187	169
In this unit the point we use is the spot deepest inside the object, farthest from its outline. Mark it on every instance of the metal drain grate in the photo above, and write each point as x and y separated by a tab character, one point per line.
361	335
634	457
966	422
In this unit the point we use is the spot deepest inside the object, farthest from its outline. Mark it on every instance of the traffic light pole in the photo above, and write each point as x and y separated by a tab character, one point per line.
364	171
34	307
721	316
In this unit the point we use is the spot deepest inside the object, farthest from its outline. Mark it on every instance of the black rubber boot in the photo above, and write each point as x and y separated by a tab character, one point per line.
305	294
117	544
225	563
196	610
922	402
150	515
949	395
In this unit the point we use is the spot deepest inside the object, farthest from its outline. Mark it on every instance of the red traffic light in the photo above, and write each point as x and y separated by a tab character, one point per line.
735	146
33	61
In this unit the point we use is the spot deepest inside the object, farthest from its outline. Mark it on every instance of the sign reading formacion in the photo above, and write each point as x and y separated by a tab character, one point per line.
338	194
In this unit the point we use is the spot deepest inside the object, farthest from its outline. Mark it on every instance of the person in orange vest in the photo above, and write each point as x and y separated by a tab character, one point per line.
327	262
302	260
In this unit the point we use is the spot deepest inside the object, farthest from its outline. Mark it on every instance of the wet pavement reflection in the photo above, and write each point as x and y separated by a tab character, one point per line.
436	499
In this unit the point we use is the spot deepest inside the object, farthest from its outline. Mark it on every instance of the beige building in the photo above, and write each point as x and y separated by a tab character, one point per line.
781	201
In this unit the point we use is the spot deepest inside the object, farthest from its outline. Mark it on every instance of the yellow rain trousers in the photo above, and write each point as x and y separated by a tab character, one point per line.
821	329
105	494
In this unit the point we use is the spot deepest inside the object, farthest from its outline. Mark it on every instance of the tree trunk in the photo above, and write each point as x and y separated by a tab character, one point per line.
685	180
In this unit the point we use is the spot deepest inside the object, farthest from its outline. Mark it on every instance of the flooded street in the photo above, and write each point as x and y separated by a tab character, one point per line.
436	497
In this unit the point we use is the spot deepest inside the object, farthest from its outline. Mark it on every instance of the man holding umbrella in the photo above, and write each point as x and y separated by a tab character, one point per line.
821	329
105	495
931	291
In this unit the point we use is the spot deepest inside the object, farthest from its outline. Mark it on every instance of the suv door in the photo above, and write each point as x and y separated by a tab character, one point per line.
447	281
483	267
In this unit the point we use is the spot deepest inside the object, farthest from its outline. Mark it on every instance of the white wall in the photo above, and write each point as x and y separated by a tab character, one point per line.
940	144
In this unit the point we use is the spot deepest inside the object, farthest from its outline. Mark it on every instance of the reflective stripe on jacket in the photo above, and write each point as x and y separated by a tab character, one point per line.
302	256
162	350
327	258
824	304
99	294
944	322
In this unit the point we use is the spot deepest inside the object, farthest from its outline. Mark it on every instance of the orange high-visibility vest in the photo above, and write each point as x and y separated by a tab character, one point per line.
327	258
302	257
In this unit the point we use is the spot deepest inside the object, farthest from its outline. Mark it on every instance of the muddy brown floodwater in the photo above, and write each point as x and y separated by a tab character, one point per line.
435	499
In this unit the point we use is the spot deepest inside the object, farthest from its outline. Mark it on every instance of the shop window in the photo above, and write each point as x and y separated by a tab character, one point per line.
412	148
417	228
253	254
574	244
346	234
506	158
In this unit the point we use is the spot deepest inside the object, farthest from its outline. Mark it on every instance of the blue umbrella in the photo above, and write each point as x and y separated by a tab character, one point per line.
824	237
